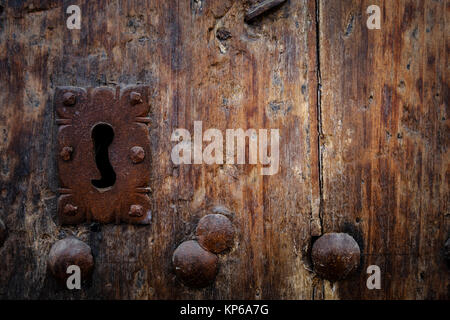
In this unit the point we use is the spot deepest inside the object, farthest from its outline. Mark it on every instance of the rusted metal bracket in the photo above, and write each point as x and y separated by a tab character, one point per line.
103	154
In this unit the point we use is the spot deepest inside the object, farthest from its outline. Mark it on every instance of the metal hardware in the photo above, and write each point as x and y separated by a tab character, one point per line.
447	251
97	129
196	262
2	232
136	211
215	233
195	266
69	99
66	153
135	97
335	256
70	251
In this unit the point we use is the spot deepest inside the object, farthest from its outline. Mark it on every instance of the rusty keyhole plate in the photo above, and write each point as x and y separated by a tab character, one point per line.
124	197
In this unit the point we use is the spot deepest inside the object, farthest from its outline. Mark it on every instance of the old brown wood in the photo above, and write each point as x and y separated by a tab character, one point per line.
363	119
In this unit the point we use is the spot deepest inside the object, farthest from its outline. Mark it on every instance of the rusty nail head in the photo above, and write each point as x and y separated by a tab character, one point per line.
195	266
70	251
136	210
215	233
69	99
66	153
135	97
335	255
137	154
70	209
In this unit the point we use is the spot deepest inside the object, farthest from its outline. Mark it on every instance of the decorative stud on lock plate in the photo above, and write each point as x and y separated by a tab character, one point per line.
135	98
137	154
66	153
3	232
70	209
69	99
215	233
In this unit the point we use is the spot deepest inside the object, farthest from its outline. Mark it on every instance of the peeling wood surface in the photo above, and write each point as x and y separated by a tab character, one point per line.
379	171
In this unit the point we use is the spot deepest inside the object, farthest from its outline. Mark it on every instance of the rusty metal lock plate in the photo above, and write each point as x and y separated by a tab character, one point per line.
103	154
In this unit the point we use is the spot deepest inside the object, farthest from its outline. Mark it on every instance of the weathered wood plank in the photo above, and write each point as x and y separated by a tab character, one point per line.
382	118
263	76
385	142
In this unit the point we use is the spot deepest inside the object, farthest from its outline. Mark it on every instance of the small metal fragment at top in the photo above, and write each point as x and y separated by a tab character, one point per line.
66	153
260	8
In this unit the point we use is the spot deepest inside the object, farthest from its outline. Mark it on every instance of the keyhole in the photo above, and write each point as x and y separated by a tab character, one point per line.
102	136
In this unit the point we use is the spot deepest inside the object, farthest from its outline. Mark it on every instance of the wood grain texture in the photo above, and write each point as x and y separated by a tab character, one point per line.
261	77
385	143
383	160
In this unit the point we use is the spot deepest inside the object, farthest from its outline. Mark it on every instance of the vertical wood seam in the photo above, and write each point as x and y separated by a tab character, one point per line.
319	114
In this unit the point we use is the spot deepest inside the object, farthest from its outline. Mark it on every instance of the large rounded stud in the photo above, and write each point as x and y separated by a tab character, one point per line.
215	233
195	266
67	252
335	256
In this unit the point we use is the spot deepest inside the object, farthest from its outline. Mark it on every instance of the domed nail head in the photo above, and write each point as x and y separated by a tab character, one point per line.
137	154
2	233
195	266
215	233
70	251
335	256
69	99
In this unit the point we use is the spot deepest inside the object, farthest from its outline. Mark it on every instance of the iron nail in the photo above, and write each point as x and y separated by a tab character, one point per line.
135	97
69	99
66	153
137	154
70	209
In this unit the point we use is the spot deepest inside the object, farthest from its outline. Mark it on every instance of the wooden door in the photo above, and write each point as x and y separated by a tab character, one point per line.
364	133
